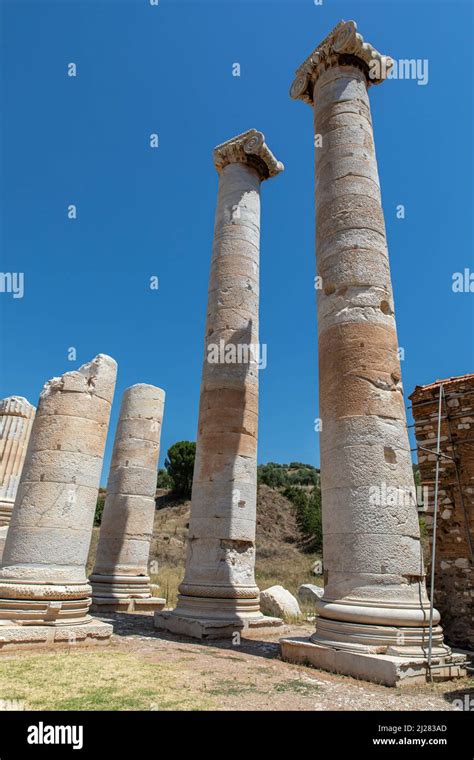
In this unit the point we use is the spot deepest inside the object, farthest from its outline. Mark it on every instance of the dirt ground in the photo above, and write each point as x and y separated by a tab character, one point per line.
143	669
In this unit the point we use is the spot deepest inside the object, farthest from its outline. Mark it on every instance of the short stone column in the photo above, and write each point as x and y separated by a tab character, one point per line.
120	581
373	618
16	419
218	595
44	592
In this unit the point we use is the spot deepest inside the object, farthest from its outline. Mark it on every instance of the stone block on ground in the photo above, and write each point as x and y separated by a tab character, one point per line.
308	592
278	602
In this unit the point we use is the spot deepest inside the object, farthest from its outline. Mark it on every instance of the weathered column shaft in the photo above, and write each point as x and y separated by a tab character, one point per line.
121	567
372	547
219	580
375	599
372	554
16	419
222	527
43	576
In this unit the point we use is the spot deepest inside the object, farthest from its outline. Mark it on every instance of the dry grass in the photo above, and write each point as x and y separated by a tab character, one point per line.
168	578
94	681
290	573
142	672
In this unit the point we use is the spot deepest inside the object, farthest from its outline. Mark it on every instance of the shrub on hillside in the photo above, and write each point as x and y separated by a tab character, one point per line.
271	475
304	477
180	467
280	475
99	509
163	479
308	515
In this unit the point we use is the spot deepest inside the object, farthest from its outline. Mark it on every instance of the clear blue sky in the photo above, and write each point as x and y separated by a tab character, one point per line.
145	212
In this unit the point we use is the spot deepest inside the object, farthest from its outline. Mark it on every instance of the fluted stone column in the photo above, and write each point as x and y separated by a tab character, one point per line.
218	595
16	419
120	580
44	592
373	617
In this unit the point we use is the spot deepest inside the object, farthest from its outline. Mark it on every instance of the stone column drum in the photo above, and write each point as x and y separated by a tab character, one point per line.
373	618
44	592
218	595
120	580
16	419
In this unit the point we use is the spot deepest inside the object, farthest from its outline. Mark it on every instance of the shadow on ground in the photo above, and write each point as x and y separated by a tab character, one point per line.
141	626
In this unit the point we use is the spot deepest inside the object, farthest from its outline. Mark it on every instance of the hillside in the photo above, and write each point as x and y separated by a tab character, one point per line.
277	531
279	542
278	475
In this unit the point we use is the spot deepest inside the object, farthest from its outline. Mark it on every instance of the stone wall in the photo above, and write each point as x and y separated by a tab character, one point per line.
454	576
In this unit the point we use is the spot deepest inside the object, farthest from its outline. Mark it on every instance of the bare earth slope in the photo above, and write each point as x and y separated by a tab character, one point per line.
277	531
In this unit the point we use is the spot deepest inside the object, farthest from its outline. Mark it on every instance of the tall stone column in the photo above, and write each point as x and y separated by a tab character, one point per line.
120	580
218	595
44	592
373	618
16	419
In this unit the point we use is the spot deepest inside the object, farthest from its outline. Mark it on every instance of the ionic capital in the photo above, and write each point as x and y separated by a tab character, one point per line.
248	148
344	45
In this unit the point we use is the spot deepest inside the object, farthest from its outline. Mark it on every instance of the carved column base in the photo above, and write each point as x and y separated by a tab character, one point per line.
219	608
378	639
381	641
382	668
122	593
90	632
129	605
388	610
6	509
214	617
217	628
45	603
120	586
393	625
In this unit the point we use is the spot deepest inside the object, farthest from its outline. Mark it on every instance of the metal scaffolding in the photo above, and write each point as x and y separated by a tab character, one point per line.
441	455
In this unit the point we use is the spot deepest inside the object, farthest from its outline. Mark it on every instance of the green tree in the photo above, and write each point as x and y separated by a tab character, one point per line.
271	475
303	477
163	479
99	508
314	521
180	466
280	475
308	515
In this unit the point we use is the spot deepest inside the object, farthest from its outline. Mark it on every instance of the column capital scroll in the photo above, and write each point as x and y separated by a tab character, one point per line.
343	45
248	148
